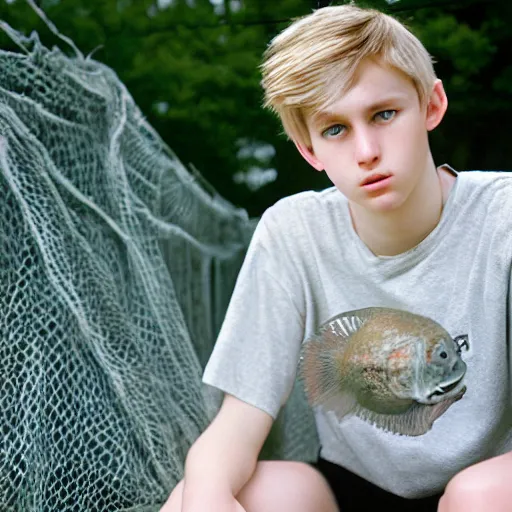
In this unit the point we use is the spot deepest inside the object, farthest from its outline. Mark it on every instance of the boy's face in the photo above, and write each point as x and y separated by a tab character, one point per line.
373	142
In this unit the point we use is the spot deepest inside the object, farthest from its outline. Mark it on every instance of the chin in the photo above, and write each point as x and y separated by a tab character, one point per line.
386	203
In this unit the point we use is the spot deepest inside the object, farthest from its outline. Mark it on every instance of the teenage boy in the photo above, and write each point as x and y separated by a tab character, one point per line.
357	94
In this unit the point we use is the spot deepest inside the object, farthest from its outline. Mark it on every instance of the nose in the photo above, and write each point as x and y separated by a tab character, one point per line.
367	148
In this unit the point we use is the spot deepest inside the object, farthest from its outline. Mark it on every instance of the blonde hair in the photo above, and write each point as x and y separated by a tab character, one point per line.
314	61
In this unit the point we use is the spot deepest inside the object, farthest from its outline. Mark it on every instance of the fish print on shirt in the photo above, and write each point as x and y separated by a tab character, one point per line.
397	370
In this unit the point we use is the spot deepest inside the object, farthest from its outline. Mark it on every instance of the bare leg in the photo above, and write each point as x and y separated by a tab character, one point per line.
277	486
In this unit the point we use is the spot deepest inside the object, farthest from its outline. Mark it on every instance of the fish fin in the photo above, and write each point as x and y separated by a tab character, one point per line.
416	421
320	366
346	324
343	404
320	369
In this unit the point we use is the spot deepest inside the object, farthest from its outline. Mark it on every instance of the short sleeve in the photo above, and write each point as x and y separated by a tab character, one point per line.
256	354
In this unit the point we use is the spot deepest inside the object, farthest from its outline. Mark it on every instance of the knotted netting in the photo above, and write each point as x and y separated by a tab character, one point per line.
116	268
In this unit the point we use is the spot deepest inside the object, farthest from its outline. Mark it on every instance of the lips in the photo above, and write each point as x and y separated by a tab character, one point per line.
374	178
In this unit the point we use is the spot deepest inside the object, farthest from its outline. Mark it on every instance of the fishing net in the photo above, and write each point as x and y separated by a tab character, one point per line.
116	268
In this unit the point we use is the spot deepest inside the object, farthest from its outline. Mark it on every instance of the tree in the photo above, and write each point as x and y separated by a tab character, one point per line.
192	67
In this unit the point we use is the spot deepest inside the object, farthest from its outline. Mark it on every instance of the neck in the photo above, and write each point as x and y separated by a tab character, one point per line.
397	231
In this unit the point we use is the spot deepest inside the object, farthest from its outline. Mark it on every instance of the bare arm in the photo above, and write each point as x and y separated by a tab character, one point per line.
224	457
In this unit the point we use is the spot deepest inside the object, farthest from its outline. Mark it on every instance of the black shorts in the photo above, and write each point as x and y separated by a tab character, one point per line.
355	494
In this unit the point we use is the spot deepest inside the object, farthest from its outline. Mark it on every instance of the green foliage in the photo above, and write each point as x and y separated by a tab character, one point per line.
193	69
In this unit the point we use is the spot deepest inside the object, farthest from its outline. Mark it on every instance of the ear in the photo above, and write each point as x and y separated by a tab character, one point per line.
437	105
309	156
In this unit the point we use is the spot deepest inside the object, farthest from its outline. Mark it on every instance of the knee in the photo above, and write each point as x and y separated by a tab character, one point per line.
309	487
469	490
173	504
283	485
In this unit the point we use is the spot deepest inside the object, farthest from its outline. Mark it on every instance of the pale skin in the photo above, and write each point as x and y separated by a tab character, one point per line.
223	465
378	126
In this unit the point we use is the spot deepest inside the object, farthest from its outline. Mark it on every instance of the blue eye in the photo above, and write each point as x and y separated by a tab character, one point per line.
386	115
333	131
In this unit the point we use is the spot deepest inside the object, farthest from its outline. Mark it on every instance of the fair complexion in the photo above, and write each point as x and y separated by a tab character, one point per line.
222	464
379	129
482	487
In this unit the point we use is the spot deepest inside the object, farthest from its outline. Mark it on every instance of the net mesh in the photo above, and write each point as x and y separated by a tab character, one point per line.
116	268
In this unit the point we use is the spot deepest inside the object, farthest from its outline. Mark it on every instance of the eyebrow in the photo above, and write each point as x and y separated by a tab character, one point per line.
327	115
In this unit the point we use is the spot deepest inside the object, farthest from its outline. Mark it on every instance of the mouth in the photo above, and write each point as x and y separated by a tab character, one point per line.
442	390
375	179
446	390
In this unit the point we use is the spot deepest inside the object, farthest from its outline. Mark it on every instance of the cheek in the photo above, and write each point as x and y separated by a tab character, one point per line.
401	381
413	135
407	126
335	158
342	180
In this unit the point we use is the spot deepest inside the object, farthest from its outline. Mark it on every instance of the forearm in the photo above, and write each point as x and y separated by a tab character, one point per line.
224	457
216	463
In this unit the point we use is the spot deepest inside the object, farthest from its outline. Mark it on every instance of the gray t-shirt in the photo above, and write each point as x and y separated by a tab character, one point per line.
306	264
